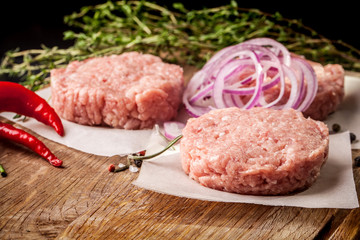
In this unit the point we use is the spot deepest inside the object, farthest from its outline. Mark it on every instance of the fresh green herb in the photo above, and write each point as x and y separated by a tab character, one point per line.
176	34
137	158
170	144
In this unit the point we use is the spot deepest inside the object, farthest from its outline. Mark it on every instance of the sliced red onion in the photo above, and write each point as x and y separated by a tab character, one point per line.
243	75
276	47
311	86
173	129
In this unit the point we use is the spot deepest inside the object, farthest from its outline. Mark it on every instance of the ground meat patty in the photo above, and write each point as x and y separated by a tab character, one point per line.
330	90
130	91
258	151
329	95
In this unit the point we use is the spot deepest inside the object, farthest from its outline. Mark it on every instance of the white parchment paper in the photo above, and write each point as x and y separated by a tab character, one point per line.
348	113
334	188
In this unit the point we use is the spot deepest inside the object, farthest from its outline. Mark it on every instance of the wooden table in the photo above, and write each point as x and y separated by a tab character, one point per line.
85	201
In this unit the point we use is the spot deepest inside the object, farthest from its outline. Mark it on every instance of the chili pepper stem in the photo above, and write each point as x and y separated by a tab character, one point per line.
2	171
171	143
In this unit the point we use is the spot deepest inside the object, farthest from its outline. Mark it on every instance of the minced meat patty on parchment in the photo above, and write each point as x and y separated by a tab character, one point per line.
130	91
257	151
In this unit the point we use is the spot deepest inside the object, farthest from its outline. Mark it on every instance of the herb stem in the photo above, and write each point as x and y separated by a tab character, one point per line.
171	143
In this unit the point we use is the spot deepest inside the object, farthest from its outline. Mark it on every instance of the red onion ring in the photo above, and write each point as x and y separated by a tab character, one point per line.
248	75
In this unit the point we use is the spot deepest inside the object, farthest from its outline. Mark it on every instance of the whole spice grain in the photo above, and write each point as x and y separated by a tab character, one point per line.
352	137
138	162
111	168
336	127
357	161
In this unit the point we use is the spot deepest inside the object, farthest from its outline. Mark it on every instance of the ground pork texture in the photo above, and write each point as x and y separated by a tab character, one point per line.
130	91
258	151
330	93
330	90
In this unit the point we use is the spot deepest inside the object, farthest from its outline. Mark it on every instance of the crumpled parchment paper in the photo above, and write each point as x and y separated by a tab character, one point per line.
334	188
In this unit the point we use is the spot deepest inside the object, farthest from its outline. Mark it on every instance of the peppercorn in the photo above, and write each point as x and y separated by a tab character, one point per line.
352	137
138	162
357	161
336	127
111	168
142	153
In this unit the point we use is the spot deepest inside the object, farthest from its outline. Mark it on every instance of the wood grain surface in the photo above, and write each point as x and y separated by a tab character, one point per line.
83	200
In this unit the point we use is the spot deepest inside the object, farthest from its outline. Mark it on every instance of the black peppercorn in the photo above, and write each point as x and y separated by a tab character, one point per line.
352	137
336	127
357	161
138	162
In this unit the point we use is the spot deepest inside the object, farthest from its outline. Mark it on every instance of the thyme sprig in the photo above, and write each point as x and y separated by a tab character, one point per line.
137	158
146	157
176	34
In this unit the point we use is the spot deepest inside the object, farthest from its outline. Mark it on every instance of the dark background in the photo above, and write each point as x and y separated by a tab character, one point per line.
28	24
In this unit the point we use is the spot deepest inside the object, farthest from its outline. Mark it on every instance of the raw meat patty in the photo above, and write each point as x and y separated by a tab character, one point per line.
329	95
130	91
258	151
330	90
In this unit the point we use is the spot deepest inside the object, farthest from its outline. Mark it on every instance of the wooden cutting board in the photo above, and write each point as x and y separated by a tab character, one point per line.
85	201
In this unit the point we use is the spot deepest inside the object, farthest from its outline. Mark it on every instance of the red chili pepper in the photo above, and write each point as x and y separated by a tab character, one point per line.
16	98
17	135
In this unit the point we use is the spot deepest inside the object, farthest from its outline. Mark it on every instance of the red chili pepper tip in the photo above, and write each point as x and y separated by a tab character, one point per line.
56	162
19	136
111	168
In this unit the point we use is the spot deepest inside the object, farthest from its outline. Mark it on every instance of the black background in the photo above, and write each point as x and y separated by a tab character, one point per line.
28	24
